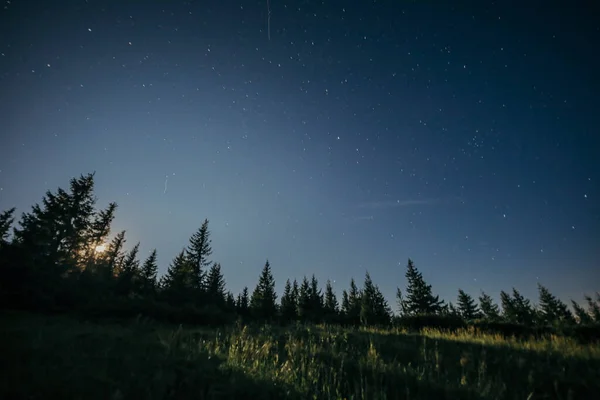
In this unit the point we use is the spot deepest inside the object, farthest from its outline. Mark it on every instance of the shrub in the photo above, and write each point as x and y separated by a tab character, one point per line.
442	322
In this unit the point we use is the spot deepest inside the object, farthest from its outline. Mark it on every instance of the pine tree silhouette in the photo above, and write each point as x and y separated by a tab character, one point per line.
288	303
419	298
148	276
552	311
583	317
352	311
316	300
331	307
127	280
489	309
467	307
198	253
176	282
304	303
215	286
242	303
6	221
263	303
593	306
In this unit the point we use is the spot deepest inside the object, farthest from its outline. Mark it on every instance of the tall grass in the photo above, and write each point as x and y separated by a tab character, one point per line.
73	359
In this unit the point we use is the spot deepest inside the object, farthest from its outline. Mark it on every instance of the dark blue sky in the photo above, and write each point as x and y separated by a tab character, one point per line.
362	133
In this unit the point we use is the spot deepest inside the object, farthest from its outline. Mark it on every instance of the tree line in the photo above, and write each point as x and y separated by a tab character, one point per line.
59	258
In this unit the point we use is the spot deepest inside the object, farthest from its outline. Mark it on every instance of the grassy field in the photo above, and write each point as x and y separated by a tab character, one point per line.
58	357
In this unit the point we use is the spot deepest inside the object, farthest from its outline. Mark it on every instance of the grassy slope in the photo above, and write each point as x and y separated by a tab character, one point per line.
60	357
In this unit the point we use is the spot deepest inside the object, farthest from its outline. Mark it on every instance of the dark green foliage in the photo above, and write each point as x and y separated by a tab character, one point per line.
128	274
552	311
98	232
148	276
215	286
6	221
289	304
242	303
308	300
516	308
467	308
316	301
584	333
419	298
417	322
51	247
230	303
400	304
583	317
374	309
345	306
304	304
490	310
198	254
351	304
330	307
506	329
524	309
111	261
450	310
175	283
263	303
593	307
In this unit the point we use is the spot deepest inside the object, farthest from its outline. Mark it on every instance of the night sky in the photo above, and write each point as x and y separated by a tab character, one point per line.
358	135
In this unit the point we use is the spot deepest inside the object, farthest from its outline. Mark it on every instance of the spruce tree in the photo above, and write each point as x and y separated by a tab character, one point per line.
367	304
516	308
401	303
77	218
176	281
98	231
242	303
552	310
466	306
331	303
450	310
230	304
345	306
525	312
198	253
52	242
295	296
130	271
263	302
52	236
6	221
215	286
111	260
582	316
354	303
509	311
593	306
316	300
489	309
304	301
148	274
419	297
12	273
288	303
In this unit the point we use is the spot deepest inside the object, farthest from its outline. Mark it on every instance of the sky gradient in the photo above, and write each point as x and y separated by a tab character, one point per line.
359	135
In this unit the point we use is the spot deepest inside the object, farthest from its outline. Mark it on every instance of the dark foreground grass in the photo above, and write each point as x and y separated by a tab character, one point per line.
63	358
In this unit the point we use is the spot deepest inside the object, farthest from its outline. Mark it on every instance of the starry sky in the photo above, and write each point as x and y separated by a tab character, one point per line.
337	137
